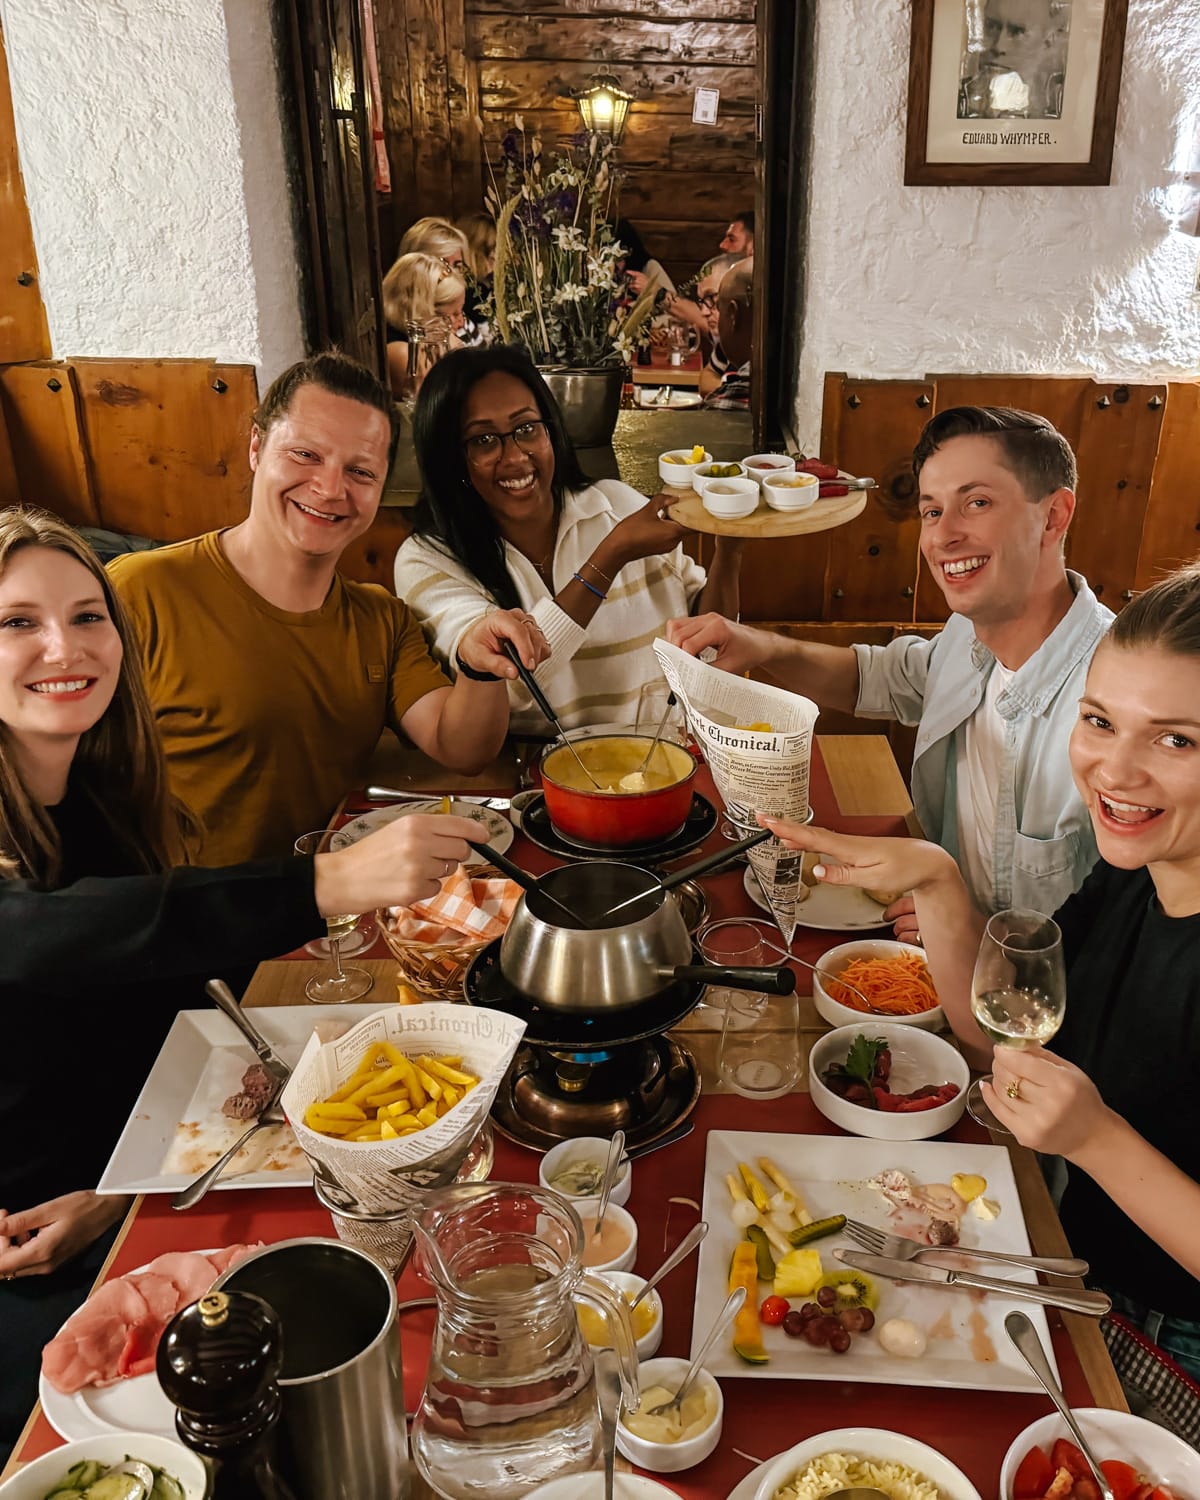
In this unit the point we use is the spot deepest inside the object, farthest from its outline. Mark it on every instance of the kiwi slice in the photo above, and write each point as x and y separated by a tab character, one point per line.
853	1289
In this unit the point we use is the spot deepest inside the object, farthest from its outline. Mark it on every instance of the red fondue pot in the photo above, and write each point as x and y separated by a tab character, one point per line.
617	819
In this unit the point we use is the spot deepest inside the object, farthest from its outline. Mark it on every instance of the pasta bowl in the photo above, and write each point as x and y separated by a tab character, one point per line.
883	1451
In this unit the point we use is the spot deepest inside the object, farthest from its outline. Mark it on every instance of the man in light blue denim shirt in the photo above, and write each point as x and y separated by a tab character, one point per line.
995	695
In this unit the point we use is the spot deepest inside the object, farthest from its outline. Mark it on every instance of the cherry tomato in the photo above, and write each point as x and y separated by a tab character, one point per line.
1033	1476
774	1310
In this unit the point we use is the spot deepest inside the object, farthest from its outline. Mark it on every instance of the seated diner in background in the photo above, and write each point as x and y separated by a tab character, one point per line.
1115	1092
739	237
271	676
702	314
436	236
101	938
735	331
418	291
642	271
993	695
507	520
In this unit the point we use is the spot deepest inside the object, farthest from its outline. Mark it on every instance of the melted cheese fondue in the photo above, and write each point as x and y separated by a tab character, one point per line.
615	762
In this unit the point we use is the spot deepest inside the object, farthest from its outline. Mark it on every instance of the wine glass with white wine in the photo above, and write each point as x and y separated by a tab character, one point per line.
1018	990
344	984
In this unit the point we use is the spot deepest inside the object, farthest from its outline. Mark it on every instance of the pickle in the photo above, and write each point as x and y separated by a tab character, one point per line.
816	1230
762	1250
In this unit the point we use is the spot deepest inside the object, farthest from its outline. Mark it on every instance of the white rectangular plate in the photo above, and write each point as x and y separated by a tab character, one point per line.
832	1173
177	1129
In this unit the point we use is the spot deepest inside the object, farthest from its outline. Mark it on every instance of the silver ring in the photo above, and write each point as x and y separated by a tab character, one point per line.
663	513
9	1276
448	865
917	939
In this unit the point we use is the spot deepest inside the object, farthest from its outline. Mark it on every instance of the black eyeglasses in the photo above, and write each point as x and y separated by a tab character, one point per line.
709	304
486	447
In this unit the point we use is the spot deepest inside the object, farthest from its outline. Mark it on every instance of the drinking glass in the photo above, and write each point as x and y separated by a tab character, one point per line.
759	1055
343	984
743	942
682	342
362	935
652	705
1018	989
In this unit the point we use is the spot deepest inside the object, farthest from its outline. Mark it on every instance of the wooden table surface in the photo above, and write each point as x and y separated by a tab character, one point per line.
864	780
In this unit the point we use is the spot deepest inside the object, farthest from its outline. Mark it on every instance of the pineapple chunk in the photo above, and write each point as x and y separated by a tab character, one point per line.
797	1274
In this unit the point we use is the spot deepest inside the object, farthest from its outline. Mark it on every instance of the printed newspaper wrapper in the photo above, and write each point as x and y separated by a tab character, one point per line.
381	1176
755	770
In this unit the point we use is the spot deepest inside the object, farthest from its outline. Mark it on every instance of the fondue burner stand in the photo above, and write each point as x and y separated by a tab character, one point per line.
643	1088
589	1073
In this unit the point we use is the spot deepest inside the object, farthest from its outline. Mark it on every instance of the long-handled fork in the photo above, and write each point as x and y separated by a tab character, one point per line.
876	1242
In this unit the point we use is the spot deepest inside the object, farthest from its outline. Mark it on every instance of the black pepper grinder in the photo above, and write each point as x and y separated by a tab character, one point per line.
219	1362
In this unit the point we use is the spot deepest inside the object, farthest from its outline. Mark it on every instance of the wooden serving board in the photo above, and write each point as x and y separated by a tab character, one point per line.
821	515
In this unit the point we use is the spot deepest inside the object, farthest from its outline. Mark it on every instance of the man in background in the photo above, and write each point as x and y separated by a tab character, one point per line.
735	321
739	237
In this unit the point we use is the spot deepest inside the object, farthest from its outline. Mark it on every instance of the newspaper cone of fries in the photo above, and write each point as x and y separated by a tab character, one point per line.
389	1109
757	740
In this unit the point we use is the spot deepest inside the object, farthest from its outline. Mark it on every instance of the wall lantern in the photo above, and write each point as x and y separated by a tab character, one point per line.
604	106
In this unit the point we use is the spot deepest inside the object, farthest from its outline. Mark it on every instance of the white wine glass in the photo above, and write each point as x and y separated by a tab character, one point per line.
344	984
1018	989
363	934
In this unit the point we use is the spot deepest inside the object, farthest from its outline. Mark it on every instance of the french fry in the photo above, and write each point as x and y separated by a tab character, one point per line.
389	1095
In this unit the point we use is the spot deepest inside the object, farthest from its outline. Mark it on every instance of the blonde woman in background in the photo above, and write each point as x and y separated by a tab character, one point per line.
479	231
418	288
434	236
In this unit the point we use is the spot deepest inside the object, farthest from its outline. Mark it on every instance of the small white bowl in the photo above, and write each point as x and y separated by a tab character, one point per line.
835	960
1158	1454
590	1486
670	1458
679	476
629	1284
918	1057
584	1148
868	1442
586	1209
730	499
702	475
762	466
32	1482
781	492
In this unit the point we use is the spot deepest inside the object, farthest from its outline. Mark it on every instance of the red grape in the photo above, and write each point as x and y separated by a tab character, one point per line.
839	1340
794	1324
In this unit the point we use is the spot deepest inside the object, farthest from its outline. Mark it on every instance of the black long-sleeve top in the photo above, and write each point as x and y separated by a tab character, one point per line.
91	977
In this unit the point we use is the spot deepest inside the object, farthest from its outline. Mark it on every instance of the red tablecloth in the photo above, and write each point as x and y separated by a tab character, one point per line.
762	1415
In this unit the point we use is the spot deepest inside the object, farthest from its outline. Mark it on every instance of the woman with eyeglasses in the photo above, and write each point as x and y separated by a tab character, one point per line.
507	520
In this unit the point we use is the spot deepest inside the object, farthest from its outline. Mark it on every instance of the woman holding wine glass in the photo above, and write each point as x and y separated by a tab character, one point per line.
102	936
1115	1094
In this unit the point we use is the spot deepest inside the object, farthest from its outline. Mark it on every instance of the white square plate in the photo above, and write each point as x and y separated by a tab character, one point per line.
177	1129
832	1173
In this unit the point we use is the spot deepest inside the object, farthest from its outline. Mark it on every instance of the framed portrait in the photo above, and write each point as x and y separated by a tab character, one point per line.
1010	92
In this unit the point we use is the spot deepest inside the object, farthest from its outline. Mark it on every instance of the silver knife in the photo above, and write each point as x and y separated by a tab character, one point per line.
222	997
394	794
1092	1304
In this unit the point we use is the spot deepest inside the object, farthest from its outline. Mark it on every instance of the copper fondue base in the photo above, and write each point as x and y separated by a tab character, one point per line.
644	1088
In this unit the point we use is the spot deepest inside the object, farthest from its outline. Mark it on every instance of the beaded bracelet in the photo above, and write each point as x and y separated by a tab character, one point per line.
600	573
591	588
472	673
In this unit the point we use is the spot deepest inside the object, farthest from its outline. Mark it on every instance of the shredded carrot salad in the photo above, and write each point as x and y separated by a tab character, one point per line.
898	986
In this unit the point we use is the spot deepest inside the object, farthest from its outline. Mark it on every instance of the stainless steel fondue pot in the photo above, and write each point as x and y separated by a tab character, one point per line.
610	963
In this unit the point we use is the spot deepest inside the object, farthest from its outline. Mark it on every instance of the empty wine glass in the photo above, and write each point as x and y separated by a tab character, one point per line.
343	984
1018	989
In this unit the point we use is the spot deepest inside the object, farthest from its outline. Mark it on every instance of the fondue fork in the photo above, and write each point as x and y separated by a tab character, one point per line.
701	867
524	879
529	682
662	724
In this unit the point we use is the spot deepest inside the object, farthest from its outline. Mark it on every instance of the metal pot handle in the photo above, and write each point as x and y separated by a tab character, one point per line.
771	981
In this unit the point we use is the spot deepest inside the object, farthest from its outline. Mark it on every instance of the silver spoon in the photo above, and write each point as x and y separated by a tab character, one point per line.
733	1306
616	1149
1029	1346
685	1247
608	1402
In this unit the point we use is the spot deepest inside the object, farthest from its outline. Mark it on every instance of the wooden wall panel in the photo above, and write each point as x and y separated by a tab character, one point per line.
541	85
23	330
584	38
683	10
1171	534
654	139
869	428
40	406
10	491
167	443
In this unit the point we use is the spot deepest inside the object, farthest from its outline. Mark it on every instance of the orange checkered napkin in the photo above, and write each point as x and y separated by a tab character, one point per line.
462	908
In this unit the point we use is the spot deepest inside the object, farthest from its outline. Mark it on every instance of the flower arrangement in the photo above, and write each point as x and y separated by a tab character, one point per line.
558	284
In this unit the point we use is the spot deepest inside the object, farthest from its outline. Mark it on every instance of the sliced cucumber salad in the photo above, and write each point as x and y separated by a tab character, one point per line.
131	1480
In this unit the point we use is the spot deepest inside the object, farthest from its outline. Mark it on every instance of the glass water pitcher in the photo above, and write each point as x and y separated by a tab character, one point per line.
509	1399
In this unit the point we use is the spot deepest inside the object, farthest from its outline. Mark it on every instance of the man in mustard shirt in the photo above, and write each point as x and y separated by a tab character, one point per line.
271	675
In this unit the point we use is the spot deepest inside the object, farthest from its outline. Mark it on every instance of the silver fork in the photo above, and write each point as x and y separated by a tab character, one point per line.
876	1242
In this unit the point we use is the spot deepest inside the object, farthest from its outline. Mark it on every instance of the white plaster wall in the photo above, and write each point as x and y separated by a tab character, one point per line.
904	281
154	237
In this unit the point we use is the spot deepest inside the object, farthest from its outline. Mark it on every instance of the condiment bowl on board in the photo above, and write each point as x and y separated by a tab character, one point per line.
730	499
790	491
676	469
619	1225
584	1150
